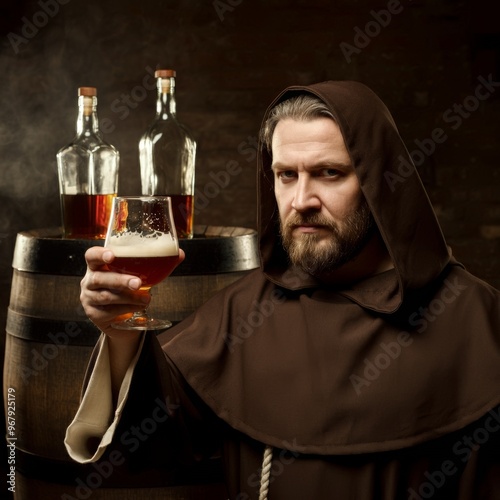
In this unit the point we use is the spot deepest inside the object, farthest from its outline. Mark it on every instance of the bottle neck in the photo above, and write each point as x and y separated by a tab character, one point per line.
87	122
165	103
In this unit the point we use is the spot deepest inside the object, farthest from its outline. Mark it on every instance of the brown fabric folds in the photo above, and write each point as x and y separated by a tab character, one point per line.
391	362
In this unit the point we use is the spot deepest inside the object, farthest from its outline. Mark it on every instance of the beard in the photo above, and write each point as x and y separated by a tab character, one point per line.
318	254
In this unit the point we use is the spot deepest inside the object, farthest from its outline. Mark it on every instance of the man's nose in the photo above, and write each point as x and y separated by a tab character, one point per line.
305	196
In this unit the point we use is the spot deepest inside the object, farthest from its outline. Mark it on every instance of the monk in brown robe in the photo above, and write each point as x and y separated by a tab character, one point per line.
361	361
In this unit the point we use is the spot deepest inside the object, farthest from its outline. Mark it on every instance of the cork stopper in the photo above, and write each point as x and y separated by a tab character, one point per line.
87	91
165	73
88	98
165	77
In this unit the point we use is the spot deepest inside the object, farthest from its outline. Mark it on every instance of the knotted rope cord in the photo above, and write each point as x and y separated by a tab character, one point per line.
266	473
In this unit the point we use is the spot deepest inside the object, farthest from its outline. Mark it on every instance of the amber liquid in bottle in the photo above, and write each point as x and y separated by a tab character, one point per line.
85	216
182	210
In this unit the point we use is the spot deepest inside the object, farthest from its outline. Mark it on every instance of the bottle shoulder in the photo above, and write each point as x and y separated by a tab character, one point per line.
169	128
88	141
85	148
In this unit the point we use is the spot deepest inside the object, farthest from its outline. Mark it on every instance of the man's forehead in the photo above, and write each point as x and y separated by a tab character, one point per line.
319	136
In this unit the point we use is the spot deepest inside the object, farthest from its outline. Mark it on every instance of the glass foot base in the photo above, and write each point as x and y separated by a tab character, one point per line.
142	324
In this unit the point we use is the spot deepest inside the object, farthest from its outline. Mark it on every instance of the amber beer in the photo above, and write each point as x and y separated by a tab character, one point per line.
152	261
86	216
151	270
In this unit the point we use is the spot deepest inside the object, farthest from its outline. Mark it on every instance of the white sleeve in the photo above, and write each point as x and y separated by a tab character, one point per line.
95	419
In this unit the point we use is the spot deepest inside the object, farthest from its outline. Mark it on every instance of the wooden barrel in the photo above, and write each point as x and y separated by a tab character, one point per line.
49	341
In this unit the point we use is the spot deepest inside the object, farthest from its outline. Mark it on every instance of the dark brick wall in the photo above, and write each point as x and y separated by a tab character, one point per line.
233	56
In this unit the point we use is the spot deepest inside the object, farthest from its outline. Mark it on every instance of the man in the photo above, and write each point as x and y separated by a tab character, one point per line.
371	369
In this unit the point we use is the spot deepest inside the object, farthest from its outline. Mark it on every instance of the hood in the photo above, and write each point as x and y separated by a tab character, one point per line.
390	184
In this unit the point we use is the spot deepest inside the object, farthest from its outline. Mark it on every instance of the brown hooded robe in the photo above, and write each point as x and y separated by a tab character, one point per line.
386	389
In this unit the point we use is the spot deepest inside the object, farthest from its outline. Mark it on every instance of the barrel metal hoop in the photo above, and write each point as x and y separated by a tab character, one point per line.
51	331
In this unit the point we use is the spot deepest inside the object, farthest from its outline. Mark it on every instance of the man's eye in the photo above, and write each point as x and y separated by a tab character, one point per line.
286	175
330	172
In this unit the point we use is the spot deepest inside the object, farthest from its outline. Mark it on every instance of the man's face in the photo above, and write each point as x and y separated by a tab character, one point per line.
325	220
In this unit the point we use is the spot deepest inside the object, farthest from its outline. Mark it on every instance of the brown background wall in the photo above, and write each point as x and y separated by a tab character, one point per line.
232	58
425	59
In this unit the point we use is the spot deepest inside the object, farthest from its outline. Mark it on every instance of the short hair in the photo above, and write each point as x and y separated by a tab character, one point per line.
303	107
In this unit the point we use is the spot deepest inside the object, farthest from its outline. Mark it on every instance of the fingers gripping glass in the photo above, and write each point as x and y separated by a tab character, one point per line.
142	236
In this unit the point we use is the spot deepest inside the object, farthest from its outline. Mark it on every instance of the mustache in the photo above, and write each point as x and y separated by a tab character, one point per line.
313	219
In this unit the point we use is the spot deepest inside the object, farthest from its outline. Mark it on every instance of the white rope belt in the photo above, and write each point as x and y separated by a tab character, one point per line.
266	473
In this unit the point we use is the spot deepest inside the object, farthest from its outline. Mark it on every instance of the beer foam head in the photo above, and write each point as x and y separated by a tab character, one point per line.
134	245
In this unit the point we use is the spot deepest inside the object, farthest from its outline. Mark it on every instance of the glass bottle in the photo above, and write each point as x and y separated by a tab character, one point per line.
167	155
88	174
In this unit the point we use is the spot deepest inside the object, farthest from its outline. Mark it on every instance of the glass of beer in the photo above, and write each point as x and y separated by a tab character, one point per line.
142	236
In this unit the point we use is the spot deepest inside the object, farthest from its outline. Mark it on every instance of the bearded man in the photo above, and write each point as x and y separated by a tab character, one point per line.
375	376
